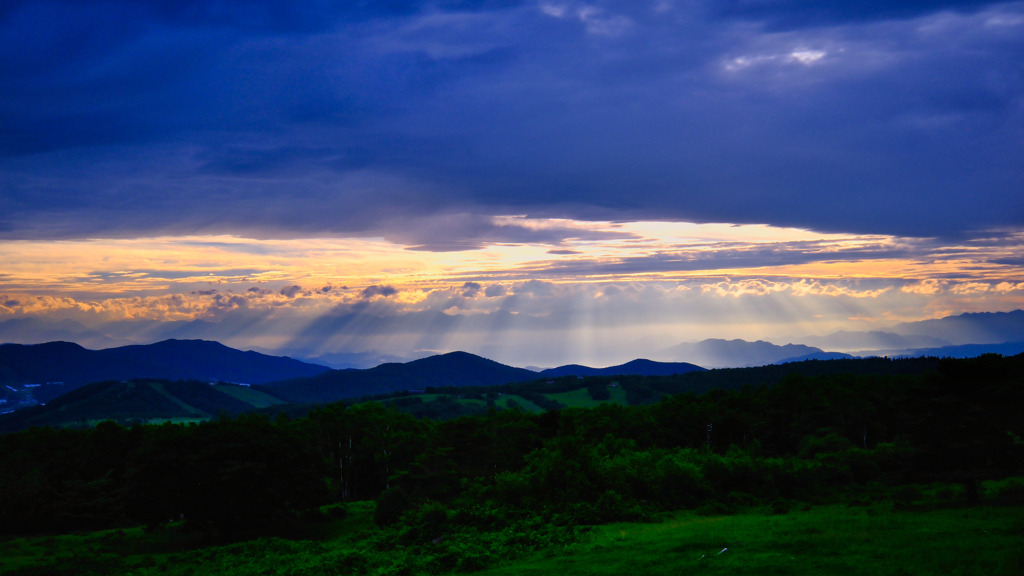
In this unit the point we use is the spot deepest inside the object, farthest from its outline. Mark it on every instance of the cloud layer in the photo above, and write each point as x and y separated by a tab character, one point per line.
518	322
421	121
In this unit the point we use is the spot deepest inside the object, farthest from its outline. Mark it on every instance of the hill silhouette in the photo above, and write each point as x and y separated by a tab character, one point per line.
971	328
638	367
816	356
959	351
171	359
454	369
846	341
718	353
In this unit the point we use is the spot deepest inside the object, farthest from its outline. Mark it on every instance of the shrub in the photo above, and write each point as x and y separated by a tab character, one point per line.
599	392
391	504
781	506
714	508
811	446
336	511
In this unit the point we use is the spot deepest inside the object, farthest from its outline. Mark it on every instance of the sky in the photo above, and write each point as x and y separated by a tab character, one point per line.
539	182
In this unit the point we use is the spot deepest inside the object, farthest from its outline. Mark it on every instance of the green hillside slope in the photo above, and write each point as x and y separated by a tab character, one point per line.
581	398
134	400
248	395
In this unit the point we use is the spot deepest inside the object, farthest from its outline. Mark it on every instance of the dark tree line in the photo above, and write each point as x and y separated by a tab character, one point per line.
957	424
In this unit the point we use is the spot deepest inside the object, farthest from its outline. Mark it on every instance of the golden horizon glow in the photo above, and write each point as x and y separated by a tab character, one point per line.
173	278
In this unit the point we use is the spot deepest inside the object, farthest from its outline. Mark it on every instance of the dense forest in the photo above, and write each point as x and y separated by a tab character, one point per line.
793	441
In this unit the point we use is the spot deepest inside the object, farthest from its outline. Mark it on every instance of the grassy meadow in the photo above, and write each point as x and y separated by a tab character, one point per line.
248	395
582	399
830	540
938	534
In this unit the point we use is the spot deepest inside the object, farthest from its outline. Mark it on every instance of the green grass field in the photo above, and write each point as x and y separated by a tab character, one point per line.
825	540
178	401
122	551
248	395
831	540
502	402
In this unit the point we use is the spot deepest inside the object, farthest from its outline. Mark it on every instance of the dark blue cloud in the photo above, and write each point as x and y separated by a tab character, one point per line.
791	14
267	16
295	118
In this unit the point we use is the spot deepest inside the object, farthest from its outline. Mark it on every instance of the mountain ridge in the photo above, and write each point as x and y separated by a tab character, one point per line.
970	328
737	353
74	365
640	366
848	340
441	370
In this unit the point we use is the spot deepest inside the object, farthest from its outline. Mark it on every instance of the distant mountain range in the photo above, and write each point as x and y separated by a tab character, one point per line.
961	351
954	336
976	328
980	328
74	365
817	356
452	369
846	341
455	369
358	360
639	367
717	353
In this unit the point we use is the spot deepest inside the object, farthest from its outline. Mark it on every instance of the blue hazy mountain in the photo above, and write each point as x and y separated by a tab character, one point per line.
172	359
452	369
638	367
973	328
872	340
817	356
718	353
961	351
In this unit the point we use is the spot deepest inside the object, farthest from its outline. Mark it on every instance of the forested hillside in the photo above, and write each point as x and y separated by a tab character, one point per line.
139	401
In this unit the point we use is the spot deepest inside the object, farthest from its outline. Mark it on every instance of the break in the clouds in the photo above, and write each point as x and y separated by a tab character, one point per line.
422	121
